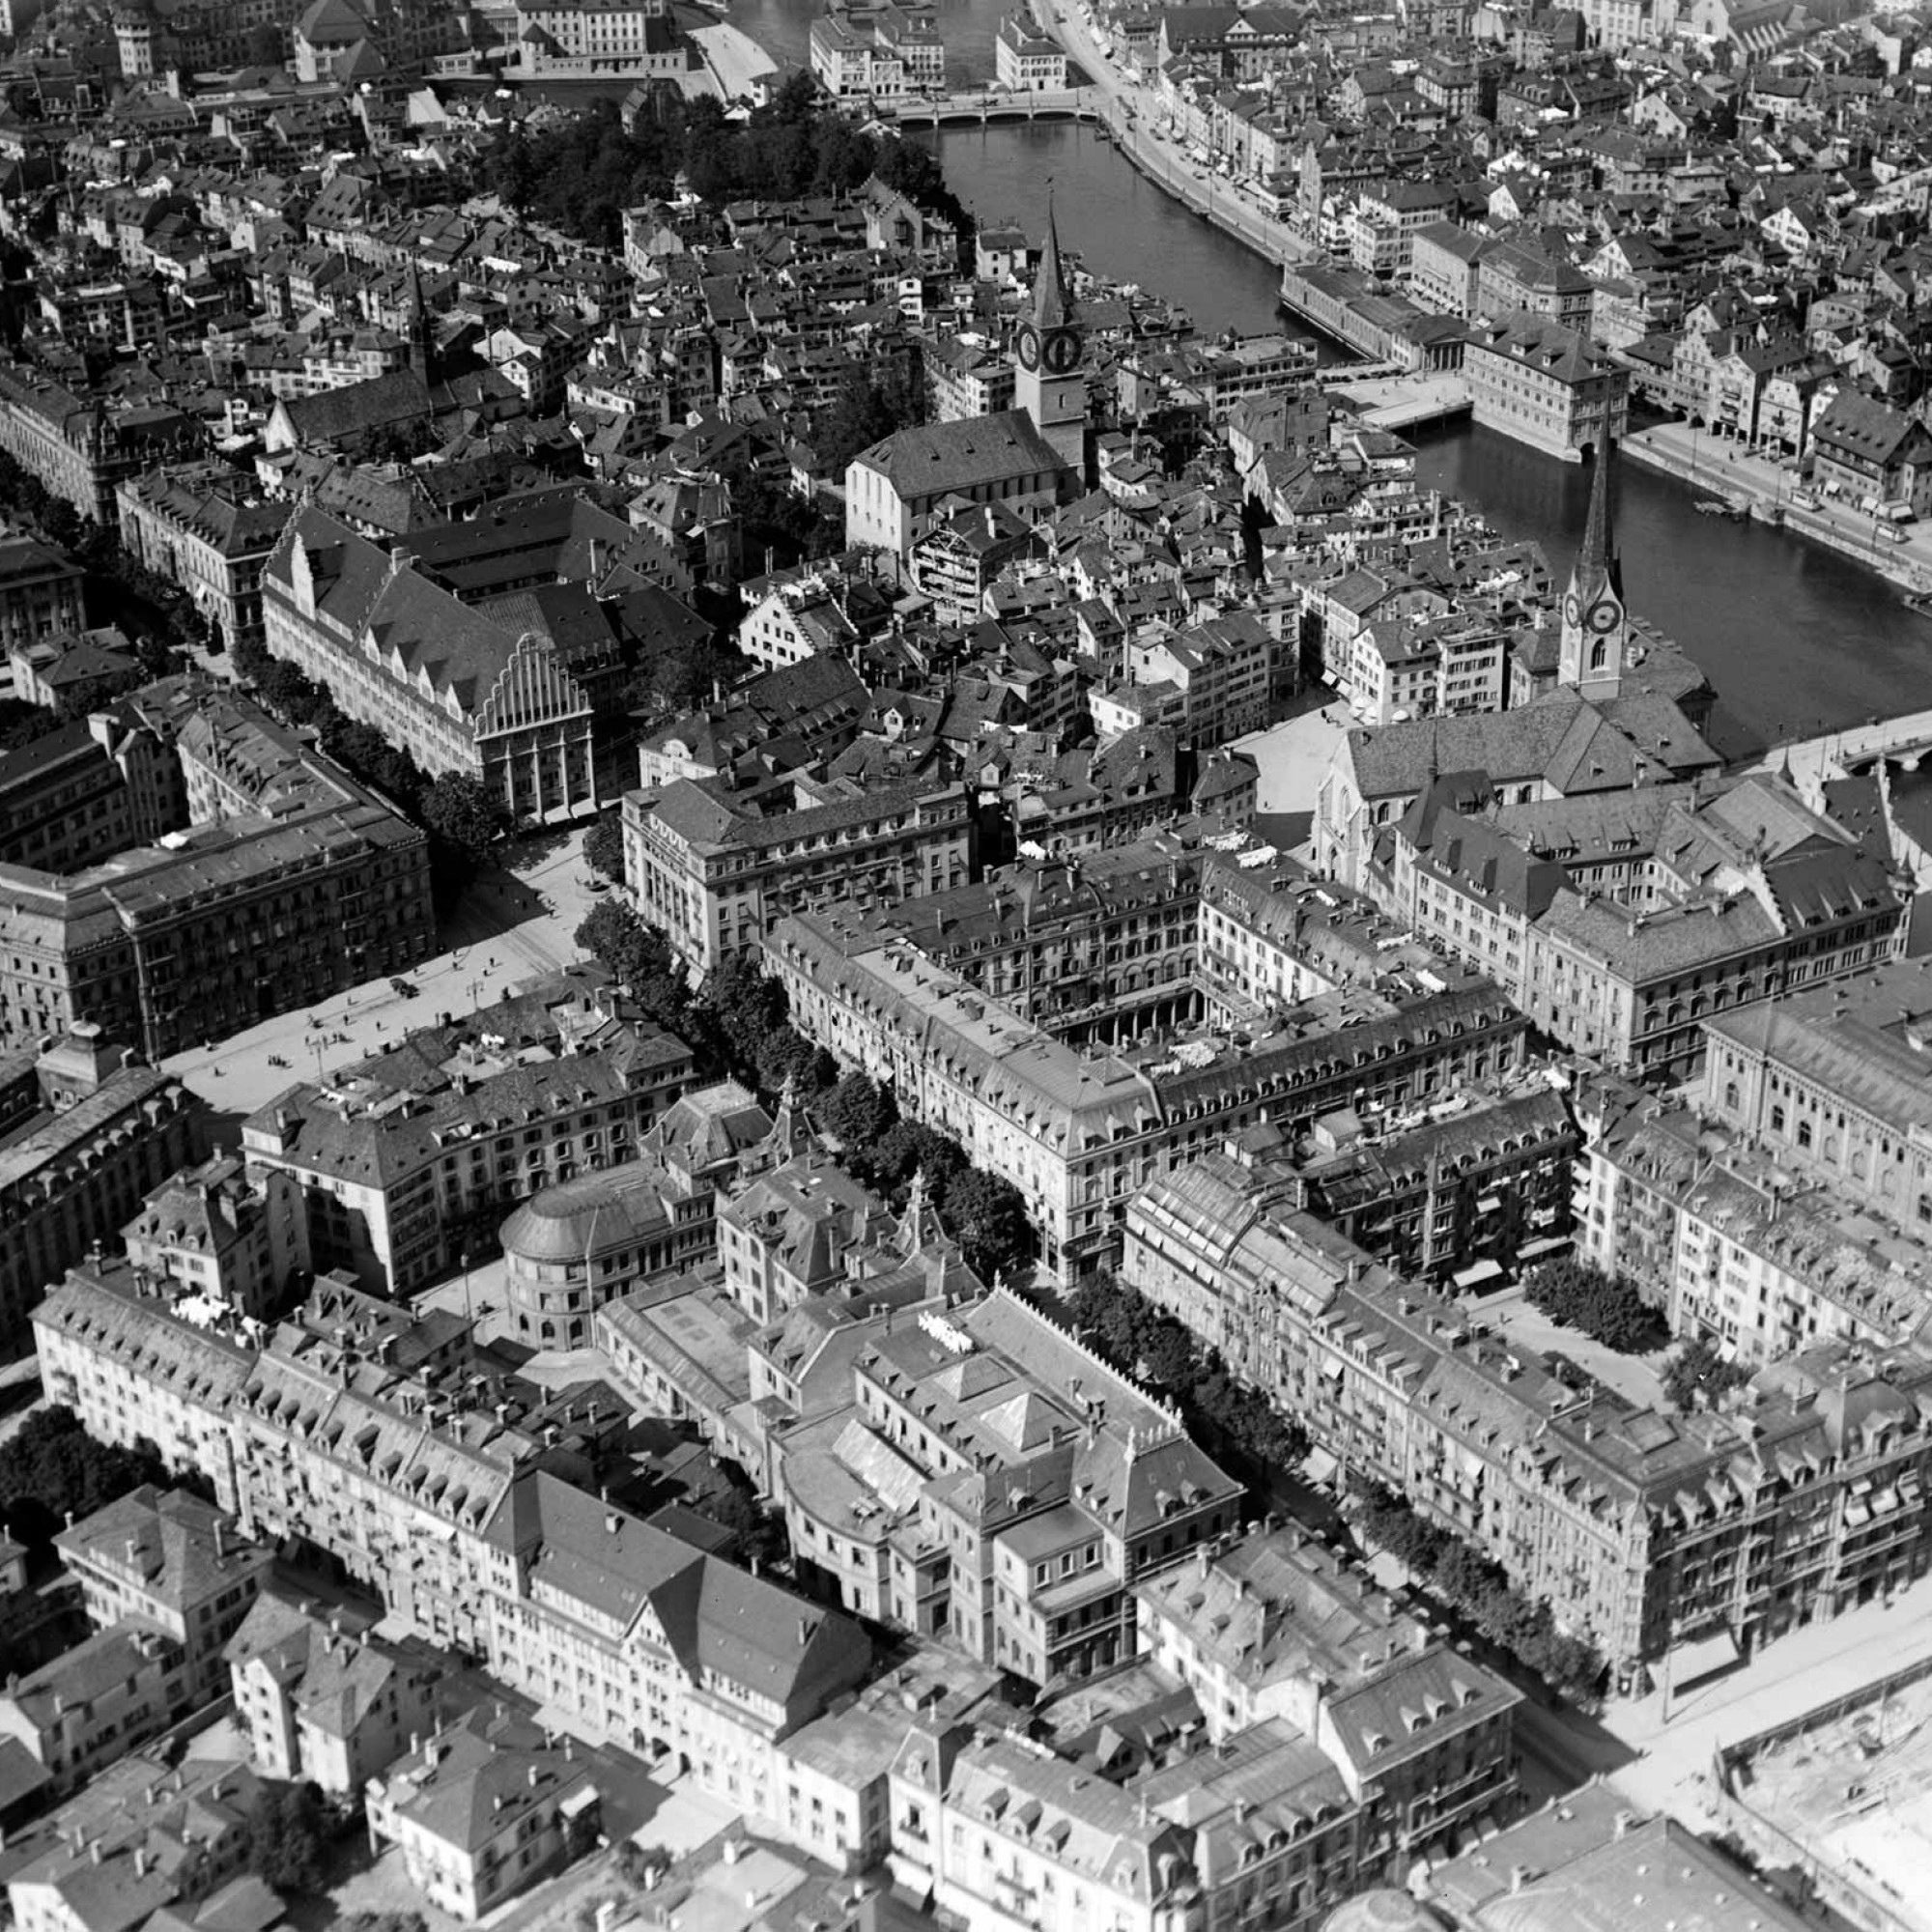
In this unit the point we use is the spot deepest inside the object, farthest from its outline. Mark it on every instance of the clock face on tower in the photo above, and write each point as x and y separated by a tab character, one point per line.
1573	610
1028	346
1062	352
1605	618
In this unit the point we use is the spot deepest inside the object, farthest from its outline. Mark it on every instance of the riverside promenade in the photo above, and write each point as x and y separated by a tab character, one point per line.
1700	459
1131	115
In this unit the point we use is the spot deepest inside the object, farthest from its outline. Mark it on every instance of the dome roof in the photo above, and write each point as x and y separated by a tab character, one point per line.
575	1218
1383	1910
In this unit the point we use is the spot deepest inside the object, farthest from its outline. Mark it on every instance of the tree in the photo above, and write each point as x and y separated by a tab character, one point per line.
53	1468
986	1215
465	814
905	1148
267	46
758	1530
604	848
62	523
288	1838
1604	1307
857	1114
1697	1377
632	949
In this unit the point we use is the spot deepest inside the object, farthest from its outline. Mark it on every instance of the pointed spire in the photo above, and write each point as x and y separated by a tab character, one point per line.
1597	561
1052	301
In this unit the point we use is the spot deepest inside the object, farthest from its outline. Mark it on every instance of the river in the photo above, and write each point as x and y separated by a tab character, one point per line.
1795	638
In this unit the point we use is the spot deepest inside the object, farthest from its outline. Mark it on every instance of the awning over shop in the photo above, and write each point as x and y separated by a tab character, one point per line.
1544	1244
1477	1273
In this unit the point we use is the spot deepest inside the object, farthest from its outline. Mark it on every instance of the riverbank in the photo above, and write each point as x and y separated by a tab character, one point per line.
1677	450
1130	114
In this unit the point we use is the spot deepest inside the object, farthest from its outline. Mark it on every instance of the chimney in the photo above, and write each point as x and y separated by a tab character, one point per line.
1625	1821
220	1540
532	1775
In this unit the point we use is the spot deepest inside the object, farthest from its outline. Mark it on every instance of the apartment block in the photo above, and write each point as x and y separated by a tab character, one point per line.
173	1563
1079	1131
87	1134
234	1238
324	1699
717	867
101	1845
490	1804
574	1247
1643	1529
409	1161
290	882
200	530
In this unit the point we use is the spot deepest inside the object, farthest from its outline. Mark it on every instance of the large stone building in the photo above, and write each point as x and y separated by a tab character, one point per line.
84	1135
174	1564
203	531
290	882
1077	1131
62	802
79	450
573	1247
1099	946
40	594
1082	1485
457	688
1644	1530
324	1699
1682	904
1545	384
407	1162
716	866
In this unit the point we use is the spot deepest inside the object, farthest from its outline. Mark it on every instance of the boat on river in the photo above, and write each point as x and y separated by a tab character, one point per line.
1721	507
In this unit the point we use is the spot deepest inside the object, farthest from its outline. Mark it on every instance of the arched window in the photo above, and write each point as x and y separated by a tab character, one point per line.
1600	655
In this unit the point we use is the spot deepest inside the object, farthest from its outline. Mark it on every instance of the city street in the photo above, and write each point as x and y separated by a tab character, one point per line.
515	923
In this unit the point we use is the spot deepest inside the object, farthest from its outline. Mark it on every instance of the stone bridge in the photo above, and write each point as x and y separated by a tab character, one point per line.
985	108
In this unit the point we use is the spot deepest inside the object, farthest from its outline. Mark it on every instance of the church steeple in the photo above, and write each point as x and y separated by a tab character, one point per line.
1050	351
1052	299
1595	637
419	329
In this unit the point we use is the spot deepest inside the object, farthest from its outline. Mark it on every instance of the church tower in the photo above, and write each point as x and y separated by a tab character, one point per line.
1595	627
1050	351
421	329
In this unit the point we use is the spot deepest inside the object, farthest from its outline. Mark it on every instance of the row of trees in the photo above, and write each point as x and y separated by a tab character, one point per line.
1483	1593
1237	1424
462	817
1606	1307
582	174
738	1022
